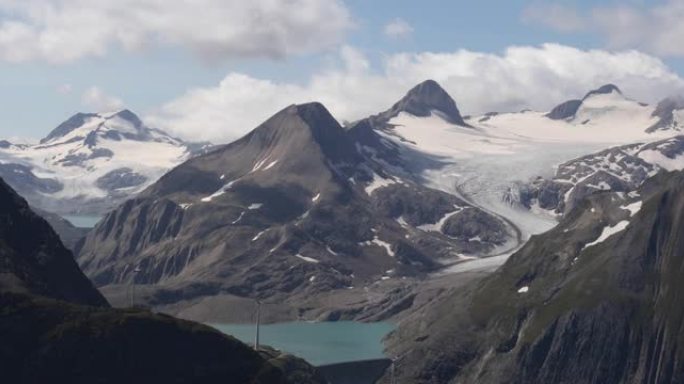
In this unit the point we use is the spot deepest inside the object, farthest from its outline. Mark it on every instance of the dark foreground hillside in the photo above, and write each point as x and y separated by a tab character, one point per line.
55	327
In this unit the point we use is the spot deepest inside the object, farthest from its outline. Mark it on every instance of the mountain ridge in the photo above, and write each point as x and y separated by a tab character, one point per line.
91	162
593	300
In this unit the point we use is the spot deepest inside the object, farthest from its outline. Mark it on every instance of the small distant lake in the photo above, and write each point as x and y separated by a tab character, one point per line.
83	221
318	343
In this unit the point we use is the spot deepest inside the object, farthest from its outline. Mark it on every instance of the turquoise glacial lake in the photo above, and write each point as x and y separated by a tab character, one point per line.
318	343
83	221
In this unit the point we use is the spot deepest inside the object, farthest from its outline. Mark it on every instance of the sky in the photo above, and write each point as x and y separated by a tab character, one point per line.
214	69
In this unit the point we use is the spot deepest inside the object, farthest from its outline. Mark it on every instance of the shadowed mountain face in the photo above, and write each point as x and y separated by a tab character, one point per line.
56	327
51	341
33	258
293	207
595	300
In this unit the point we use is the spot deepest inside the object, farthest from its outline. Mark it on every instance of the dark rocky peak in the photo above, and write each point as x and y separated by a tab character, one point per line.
604	90
311	121
66	127
5	144
568	109
427	97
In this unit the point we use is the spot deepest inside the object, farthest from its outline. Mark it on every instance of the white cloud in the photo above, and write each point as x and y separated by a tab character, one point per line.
98	101
520	77
657	29
60	31
398	29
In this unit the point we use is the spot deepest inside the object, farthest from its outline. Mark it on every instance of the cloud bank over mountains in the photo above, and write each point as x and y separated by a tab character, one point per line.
48	32
521	77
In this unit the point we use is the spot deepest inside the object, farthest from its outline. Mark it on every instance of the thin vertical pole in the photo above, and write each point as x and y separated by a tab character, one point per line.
258	324
393	378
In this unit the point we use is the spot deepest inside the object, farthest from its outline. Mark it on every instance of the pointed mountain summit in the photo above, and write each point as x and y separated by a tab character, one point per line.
422	100
304	124
567	110
301	142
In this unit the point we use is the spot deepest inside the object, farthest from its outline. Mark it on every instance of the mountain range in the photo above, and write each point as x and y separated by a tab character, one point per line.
302	206
92	162
291	208
403	215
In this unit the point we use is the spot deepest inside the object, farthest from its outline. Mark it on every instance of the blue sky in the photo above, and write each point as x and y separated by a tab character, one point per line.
40	89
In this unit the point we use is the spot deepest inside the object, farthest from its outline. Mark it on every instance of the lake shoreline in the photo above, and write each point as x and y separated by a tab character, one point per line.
320	343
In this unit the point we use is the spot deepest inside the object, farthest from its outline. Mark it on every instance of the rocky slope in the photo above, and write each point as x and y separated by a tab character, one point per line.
92	162
292	207
595	300
619	169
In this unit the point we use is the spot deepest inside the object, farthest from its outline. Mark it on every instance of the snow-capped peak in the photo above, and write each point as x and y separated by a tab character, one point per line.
91	158
89	128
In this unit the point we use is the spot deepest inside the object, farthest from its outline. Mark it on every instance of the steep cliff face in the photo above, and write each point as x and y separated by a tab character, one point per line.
33	258
596	300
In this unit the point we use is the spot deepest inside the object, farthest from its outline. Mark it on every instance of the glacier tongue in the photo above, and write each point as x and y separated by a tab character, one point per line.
486	163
